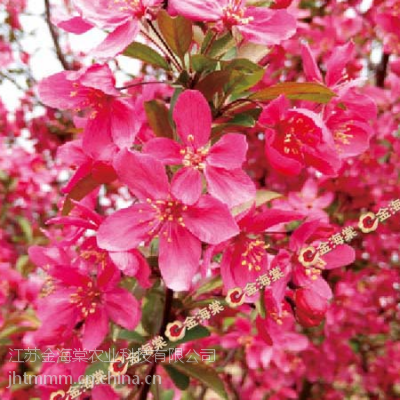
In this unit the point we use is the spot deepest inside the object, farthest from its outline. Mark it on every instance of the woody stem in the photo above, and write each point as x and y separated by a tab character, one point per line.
167	48
169	295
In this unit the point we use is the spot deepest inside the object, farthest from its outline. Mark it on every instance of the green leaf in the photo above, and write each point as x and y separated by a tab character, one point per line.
245	120
203	373
198	332
167	395
210	285
85	186
158	118
13	330
180	380
213	83
239	120
146	54
131	336
262	196
245	75
201	63
310	91
260	304
220	46
26	228
152	310
22	263
177	32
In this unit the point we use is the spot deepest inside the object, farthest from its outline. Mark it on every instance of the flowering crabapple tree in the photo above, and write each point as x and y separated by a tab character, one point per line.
209	194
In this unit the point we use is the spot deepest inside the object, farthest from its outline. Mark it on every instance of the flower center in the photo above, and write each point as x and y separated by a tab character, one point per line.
341	135
135	6
296	132
194	158
86	299
167	211
254	254
94	99
234	14
95	256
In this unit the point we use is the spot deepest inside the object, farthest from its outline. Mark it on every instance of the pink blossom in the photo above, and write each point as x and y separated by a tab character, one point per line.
77	297
297	138
257	24
110	117
181	227
221	163
121	16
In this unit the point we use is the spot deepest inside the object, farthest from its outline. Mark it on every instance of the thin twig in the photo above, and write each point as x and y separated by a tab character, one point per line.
165	44
55	37
13	81
142	83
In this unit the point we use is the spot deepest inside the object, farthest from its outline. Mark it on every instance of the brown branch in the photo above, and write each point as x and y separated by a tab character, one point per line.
381	70
169	295
305	393
55	37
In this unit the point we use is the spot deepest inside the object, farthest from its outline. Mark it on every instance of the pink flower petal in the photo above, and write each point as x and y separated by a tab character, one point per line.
193	119
210	221
104	392
179	257
341	256
126	229
229	152
337	62
124	126
187	185
69	276
96	329
75	25
94	11
164	149
125	261
274	111
198	10
97	76
310	66
123	308
267	219
269	27
233	187
58	92
144	175
97	140
118	40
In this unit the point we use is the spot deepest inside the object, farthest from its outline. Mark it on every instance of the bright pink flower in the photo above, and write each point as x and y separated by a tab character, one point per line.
313	233
77	297
307	201
131	263
221	163
296	138
310	307
245	257
110	118
259	25
122	16
348	115
181	227
86	163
